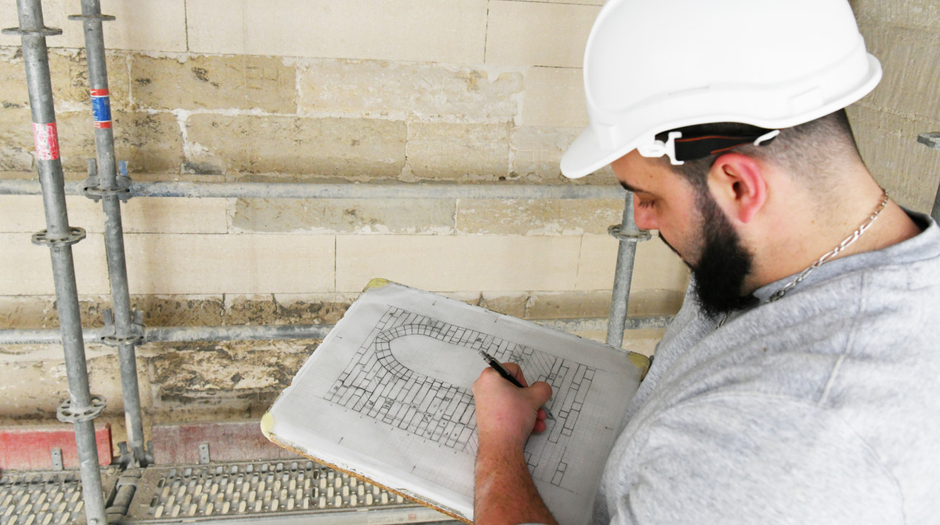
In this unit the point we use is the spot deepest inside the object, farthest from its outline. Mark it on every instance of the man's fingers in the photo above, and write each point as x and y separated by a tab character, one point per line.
540	391
516	372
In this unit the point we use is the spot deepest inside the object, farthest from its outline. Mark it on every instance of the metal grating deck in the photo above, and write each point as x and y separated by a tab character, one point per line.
270	492
45	497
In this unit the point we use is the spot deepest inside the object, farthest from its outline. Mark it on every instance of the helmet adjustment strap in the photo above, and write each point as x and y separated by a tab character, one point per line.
680	149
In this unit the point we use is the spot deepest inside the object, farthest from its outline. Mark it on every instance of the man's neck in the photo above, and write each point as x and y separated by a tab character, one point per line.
807	234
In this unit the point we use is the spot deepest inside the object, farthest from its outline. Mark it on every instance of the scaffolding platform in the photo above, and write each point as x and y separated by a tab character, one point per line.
279	492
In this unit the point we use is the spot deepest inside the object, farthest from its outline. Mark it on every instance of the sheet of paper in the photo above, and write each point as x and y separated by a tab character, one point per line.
388	396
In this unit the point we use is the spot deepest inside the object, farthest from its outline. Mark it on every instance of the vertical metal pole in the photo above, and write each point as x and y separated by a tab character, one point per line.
628	235
59	236
109	191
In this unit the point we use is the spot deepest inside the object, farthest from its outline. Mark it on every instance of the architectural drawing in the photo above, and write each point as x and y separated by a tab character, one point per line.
389	379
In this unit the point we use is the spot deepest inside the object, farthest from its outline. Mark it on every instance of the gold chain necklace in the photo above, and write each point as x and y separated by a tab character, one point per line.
835	251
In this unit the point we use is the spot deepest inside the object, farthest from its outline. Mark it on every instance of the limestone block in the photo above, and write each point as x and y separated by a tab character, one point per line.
458	263
201	82
26	269
24	213
329	146
656	266
537	152
554	97
214	264
910	13
180	310
286	308
449	31
17	146
34	385
139	24
422	90
68	70
911	62
538	217
327	216
513	304
888	142
458	151
538	34
241	373
596	304
38	311
13	91
149	142
569	305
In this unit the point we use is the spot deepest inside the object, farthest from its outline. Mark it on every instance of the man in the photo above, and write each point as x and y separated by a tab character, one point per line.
799	382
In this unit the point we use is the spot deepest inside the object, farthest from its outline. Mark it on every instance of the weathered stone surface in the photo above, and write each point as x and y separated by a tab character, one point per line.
13	92
909	13
33	389
285	309
569	305
538	217
330	146
507	304
17	146
213	82
149	142
68	69
554	97
910	58
344	215
458	151
231	373
596	304
537	152
907	169
426	91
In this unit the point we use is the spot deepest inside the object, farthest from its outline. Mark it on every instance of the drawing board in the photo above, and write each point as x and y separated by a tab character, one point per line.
387	397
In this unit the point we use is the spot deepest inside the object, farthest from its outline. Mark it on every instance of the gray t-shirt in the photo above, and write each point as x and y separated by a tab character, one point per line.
822	407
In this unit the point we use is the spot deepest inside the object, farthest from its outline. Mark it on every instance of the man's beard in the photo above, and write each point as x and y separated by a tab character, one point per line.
723	264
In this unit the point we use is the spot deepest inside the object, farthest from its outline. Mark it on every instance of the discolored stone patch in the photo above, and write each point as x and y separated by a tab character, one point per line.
329	146
236	373
214	82
276	309
458	151
426	91
538	217
149	142
344	215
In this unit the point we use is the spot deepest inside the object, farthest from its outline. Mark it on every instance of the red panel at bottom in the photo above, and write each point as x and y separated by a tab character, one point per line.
28	448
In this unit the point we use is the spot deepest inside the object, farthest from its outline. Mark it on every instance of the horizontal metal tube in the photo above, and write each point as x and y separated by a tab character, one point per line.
272	332
277	190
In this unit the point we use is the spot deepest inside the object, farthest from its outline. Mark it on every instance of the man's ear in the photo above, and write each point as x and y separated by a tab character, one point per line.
738	185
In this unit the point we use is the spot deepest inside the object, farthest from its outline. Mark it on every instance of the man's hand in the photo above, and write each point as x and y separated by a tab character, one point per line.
507	414
504	492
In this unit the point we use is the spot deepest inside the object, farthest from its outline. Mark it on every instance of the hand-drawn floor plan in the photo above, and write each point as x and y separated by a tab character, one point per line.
384	383
388	397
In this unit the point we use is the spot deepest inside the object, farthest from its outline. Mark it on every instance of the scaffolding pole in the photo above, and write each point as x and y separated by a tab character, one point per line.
312	190
628	235
103	184
82	407
184	334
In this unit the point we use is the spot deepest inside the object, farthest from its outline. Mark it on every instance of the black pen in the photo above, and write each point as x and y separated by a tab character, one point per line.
494	364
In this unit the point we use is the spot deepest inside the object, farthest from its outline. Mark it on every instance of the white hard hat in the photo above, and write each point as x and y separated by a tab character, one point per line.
655	65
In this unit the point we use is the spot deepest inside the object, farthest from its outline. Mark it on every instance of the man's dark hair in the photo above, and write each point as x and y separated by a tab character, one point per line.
809	150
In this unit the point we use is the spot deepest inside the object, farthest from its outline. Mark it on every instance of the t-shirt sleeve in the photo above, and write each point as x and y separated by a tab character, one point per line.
750	458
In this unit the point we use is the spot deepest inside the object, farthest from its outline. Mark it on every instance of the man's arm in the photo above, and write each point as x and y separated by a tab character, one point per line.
504	492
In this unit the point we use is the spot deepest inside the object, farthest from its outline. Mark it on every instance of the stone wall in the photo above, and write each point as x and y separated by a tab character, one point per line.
355	91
